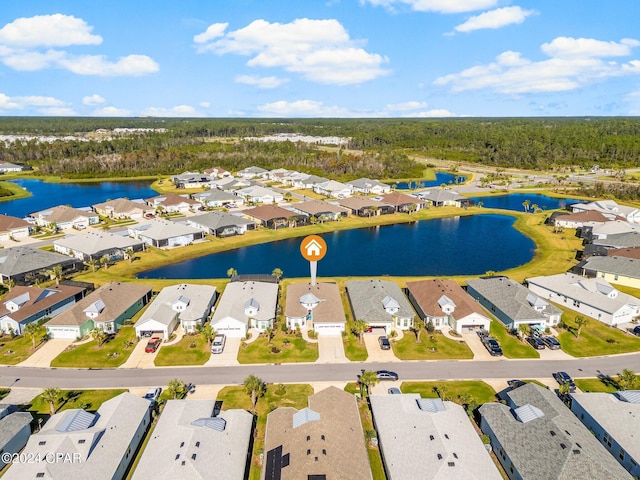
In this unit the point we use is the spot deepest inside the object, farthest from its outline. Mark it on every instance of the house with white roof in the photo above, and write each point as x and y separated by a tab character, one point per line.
215	198
334	189
305	181
594	297
441	431
631	214
368	186
613	419
186	305
245	305
162	233
259	194
97	244
381	304
250	173
172	203
99	445
191	441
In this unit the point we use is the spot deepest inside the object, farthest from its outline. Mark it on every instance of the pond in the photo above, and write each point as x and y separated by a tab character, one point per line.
448	246
46	195
441	177
514	201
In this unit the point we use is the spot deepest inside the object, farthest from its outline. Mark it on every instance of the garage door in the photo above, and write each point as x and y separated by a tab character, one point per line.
62	332
233	332
328	329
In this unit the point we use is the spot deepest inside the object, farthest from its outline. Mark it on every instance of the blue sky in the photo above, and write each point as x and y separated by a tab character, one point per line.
333	58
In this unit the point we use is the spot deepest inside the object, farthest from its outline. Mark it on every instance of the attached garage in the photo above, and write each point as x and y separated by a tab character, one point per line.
327	329
230	327
473	321
61	331
154	328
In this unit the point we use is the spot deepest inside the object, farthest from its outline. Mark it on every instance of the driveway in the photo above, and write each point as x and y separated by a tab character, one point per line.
475	344
331	349
46	353
229	355
139	358
376	354
559	354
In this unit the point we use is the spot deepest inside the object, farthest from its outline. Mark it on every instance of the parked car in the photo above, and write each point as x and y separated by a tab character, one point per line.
394	391
386	375
636	330
153	344
492	345
149	215
482	333
564	377
384	342
153	394
515	383
217	346
535	342
551	342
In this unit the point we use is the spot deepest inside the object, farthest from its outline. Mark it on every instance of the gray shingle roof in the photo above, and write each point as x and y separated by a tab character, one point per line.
215	220
554	446
236	294
94	242
627	239
366	298
11	425
199	299
159	229
19	260
628	267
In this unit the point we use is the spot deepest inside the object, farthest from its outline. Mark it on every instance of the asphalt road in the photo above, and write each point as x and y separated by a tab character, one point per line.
311	372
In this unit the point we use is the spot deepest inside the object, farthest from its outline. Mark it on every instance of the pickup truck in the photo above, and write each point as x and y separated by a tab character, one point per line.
492	345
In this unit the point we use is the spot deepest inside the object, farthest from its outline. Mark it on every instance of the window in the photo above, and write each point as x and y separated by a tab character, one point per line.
308	438
553	434
563	446
446	436
621	454
615	277
451	464
181	444
455	455
430	437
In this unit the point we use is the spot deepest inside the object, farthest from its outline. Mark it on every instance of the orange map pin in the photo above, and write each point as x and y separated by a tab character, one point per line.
313	248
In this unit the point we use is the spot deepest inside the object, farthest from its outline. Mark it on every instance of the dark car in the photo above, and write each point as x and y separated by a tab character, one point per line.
482	333
564	377
515	383
384	343
394	391
551	342
492	345
535	342
386	375
636	330
152	345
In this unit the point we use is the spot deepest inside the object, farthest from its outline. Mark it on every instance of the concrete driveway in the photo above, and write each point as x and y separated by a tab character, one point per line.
331	349
139	358
559	354
46	353
229	355
475	344
376	354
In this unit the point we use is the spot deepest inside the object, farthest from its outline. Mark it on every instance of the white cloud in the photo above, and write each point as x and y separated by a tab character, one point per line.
111	112
48	31
214	30
436	113
205	104
400	107
313	108
25	45
498	18
572	65
94	99
261	82
58	112
40	104
177	111
320	51
440	6
8	103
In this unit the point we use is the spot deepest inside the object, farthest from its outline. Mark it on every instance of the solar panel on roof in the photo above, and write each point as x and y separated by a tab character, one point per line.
431	405
215	423
77	420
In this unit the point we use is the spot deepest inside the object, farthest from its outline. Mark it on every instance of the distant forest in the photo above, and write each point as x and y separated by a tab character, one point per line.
386	145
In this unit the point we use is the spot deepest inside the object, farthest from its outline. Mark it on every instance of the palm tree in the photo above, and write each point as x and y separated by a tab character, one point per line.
10	283
232	272
524	329
255	388
176	388
627	379
270	334
99	335
417	327
480	204
104	261
441	390
93	263
128	253
51	395
581	322
57	273
207	332
526	204
32	330
359	327
368	379
277	272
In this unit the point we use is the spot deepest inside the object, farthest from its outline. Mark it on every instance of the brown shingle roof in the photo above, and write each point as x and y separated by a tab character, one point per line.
316	207
9	223
357	203
270	212
38	300
171	199
632	252
63	213
328	310
428	292
588	216
397	199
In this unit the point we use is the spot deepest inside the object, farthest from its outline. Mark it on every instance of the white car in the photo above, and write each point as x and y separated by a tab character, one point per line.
153	394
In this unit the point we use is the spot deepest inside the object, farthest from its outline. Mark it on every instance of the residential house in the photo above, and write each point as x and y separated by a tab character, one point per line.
192	180
445	303
64	217
162	233
322	441
13	228
402	203
108	308
186	305
589	218
593	297
614	420
278	174
366	207
381	304
631	214
245	305
97	244
305	181
601	231
15	429
318	307
25	305
334	189
321	211
633	252
6	167
259	194
26	265
172	203
272	216
217	172
251	173
536	436
230	184
619	270
191	441
449	446
122	208
221	224
619	240
367	186
214	198
99	445
512	303
445	198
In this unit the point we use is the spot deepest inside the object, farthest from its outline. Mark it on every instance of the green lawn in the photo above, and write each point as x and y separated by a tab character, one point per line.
595	339
375	460
477	390
111	354
511	346
191	350
85	399
605	384
295	396
353	350
4	392
432	347
297	350
17	349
